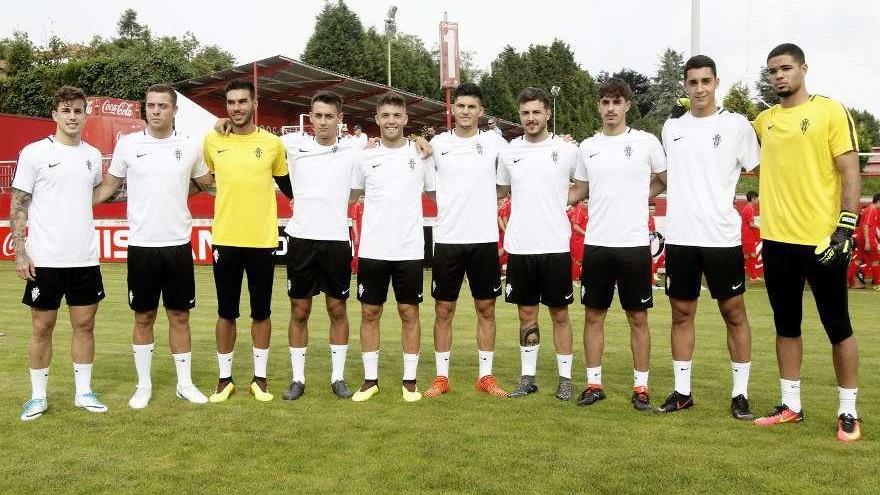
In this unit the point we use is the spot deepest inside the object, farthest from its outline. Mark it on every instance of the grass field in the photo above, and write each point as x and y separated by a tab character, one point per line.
459	443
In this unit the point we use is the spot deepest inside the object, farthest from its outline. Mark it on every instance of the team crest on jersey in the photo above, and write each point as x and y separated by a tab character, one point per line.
716	140
628	151
89	165
178	154
805	124
289	285
412	164
216	256
360	289
35	293
479	149
130	296
508	289
555	156
258	152
334	149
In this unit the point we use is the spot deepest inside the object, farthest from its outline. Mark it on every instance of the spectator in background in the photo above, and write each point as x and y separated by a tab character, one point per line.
751	235
492	126
503	217
578	216
356	213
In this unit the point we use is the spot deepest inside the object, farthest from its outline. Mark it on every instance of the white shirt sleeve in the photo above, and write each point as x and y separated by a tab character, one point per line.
97	168
357	175
658	156
200	168
749	155
118	165
580	172
577	161
502	175
25	171
430	173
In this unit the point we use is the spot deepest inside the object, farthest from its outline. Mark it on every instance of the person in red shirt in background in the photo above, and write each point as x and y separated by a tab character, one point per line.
578	217
658	253
867	246
356	213
751	235
503	217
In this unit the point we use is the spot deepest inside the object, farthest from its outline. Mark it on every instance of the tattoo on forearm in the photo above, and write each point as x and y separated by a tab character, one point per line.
529	336
18	213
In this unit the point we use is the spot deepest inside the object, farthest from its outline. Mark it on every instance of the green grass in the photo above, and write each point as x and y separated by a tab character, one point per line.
870	185
459	443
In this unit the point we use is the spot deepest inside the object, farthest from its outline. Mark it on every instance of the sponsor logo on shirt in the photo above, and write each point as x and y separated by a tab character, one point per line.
334	149
139	155
716	140
221	151
677	138
516	160
594	154
771	126
53	165
258	152
805	124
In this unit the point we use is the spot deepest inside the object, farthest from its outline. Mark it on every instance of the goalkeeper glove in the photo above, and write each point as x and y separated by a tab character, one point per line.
838	246
681	107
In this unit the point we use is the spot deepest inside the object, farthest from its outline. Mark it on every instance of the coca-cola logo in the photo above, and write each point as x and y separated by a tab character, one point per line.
113	107
8	250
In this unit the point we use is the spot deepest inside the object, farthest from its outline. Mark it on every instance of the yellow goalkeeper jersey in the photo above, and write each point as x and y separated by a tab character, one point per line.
800	185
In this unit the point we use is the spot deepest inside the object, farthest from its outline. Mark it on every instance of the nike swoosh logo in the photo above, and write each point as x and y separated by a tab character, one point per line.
517	160
594	154
420	295
737	286
345	292
677	138
303	151
570	296
646	300
193	300
683	369
771	126
496	289
100	293
142	154
221	151
51	165
379	165
443	153
680	405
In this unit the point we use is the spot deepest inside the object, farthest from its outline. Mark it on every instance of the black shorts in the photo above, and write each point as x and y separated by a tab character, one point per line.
786	267
629	268
315	266
231	263
79	286
406	278
539	278
478	261
161	270
723	267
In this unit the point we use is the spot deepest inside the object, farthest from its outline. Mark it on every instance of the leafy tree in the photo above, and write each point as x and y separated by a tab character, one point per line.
544	66
767	97
666	85
339	42
129	29
740	101
867	130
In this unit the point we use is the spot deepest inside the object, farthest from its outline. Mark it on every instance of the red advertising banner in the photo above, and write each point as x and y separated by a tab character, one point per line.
449	55
113	107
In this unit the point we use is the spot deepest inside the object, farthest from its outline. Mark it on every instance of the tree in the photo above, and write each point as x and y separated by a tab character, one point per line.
740	101
867	130
129	29
339	42
767	96
667	85
544	66
640	85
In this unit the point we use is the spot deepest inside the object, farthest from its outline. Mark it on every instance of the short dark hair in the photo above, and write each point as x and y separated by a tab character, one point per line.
329	98
468	89
67	93
533	94
876	198
788	49
164	88
241	84
699	62
751	195
615	88
391	99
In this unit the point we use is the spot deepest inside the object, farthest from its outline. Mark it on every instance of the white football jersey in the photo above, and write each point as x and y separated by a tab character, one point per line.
538	175
61	178
158	173
619	170
393	180
321	179
467	208
704	157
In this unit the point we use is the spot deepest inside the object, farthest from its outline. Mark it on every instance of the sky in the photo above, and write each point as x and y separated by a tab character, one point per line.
841	38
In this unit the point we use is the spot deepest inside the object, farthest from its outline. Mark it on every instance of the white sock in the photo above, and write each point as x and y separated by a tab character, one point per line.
594	376
442	361
261	362
410	366
371	365
485	359
183	365
791	394
224	364
563	364
682	372
847	401
529	359
39	380
337	360
740	379
640	379
298	363
82	378
143	361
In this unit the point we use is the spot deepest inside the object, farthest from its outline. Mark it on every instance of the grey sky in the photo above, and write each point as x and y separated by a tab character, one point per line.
841	38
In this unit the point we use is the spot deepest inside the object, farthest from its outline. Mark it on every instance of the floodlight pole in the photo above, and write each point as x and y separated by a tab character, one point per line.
390	32
695	27
554	92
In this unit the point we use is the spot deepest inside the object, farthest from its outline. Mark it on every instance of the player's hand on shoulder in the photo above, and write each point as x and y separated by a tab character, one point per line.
425	148
372	142
223	126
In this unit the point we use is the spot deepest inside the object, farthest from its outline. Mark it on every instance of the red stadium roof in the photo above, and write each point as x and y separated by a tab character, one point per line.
285	87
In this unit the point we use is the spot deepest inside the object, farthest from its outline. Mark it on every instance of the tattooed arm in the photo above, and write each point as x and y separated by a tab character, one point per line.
18	216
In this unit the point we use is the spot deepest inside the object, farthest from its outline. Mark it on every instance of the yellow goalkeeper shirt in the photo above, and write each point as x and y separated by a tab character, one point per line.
800	185
245	210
